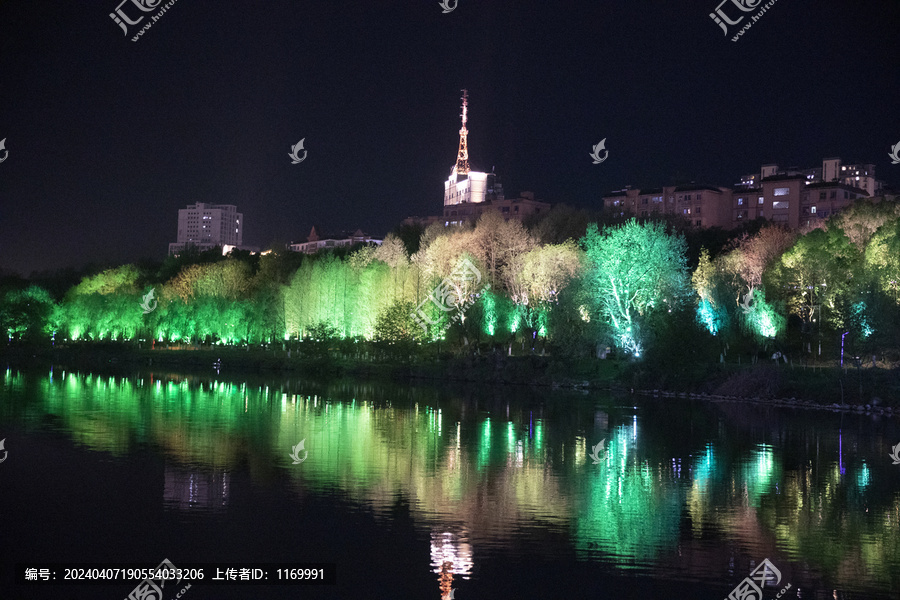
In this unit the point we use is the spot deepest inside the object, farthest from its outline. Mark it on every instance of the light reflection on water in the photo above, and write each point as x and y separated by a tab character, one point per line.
691	495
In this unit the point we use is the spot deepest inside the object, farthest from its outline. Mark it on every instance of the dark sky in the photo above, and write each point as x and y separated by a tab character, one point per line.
108	138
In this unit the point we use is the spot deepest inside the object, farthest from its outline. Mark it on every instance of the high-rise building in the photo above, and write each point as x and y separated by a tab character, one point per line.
205	226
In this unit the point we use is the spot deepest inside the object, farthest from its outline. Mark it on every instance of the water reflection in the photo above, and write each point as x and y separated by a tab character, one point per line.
194	489
684	491
451	556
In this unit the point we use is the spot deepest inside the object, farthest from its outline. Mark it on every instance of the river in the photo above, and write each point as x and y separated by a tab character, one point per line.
417	490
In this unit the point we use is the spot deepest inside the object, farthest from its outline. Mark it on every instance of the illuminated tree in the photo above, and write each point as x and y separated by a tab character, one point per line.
636	269
711	311
105	306
112	281
27	314
882	259
534	280
544	272
395	323
360	258
229	279
392	252
817	273
183	285
499	244
753	255
703	278
861	220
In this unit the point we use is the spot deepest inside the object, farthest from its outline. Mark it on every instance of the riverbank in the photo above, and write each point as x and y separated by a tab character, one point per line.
871	389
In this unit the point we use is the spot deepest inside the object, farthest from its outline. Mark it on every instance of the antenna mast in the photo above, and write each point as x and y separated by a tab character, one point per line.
462	158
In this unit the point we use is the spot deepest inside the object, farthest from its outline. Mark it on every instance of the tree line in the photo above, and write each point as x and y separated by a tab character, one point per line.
574	284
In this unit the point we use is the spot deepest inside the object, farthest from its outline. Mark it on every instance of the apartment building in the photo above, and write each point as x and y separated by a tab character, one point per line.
205	226
794	197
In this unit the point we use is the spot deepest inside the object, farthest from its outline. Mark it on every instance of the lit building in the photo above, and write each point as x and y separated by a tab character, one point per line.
468	193
793	201
205	226
859	176
793	197
314	243
699	205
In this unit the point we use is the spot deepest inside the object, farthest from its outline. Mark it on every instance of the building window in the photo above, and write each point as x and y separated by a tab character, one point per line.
812	209
782	191
761	199
643	201
643	213
504	209
822	195
781	204
740	201
846	195
698	222
833	194
686	211
696	210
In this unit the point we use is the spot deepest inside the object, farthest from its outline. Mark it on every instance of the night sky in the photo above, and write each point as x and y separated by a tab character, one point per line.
108	138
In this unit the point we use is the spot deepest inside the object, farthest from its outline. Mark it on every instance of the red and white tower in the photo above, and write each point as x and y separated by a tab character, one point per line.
462	157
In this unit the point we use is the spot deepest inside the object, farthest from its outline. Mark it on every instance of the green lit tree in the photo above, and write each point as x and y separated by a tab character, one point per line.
882	259
815	276
636	269
862	219
396	323
27	314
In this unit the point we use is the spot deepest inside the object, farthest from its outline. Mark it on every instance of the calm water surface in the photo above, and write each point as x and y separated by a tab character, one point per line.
413	490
